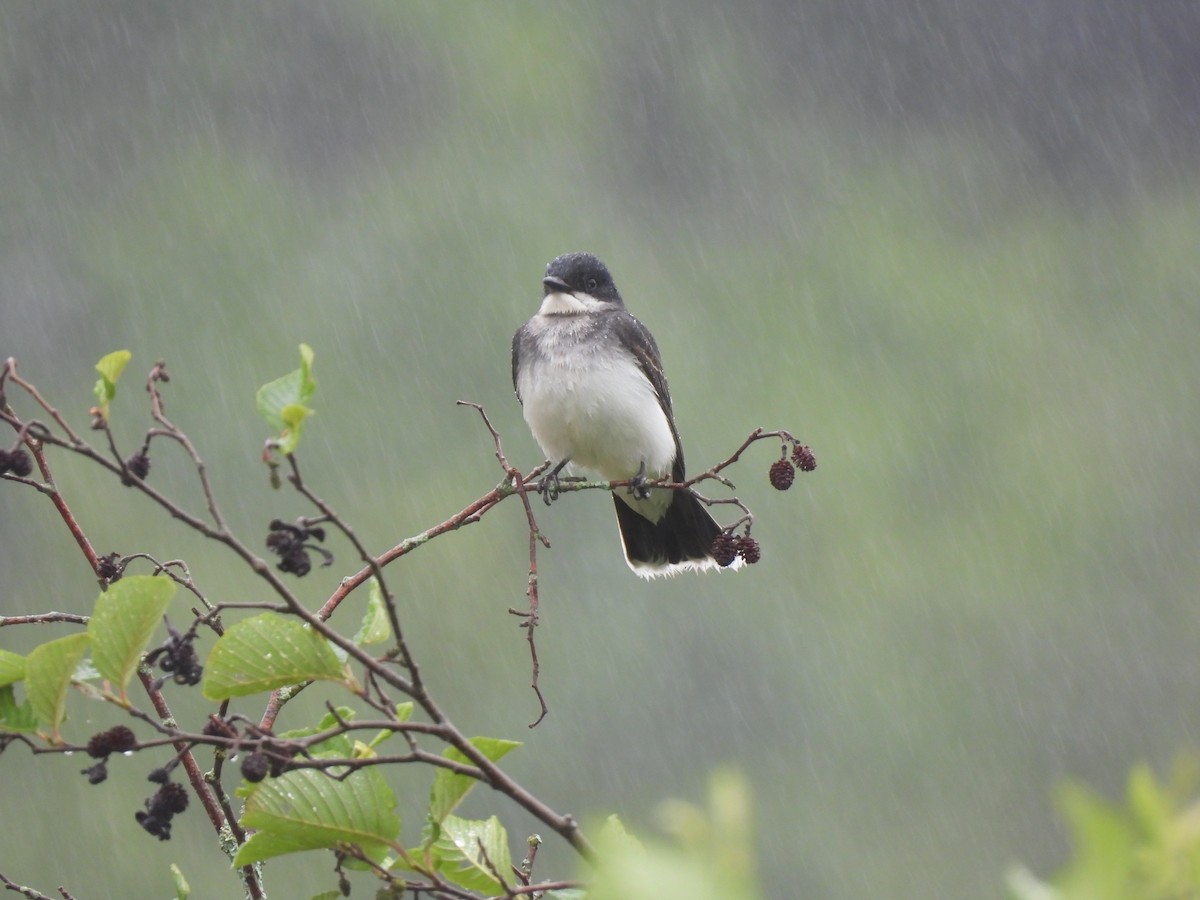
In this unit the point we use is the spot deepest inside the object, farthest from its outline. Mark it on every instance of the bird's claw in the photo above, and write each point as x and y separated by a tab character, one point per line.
547	486
637	484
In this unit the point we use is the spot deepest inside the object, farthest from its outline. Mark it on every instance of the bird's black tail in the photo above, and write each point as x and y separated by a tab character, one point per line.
680	541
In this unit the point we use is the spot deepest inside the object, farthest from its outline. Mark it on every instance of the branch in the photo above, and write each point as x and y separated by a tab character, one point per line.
396	670
535	537
29	892
43	619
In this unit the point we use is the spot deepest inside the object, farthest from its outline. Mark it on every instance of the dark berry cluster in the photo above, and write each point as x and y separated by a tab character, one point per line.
748	549
781	474
170	800
290	544
218	727
109	567
804	458
137	467
273	757
724	549
117	739
255	767
16	461
783	471
177	657
727	547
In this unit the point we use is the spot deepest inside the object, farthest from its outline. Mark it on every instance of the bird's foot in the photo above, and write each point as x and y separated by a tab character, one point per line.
637	484
547	485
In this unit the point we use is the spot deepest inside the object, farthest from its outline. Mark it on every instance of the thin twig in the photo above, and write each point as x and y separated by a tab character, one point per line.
531	616
21	889
51	490
43	619
9	373
389	600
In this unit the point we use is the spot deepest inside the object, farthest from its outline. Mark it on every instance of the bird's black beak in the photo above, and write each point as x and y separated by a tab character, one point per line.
555	285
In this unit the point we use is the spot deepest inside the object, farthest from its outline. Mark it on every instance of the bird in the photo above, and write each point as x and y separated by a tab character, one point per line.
590	381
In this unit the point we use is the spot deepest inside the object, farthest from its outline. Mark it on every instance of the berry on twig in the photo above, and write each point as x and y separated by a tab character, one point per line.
137	467
16	461
724	549
290	544
748	549
781	474
804	458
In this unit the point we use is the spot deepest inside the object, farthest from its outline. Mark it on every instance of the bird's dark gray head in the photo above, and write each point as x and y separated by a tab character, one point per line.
580	273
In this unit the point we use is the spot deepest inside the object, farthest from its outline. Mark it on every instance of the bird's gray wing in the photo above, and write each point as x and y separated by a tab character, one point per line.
516	360
637	339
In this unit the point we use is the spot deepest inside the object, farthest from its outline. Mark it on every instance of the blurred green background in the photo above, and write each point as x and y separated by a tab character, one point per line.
955	246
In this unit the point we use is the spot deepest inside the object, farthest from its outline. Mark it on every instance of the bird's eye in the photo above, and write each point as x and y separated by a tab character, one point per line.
591	283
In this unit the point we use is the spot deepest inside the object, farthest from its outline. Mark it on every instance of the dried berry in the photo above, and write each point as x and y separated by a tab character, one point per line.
117	739
158	826
178	657
748	549
109	567
255	767
724	549
218	727
16	461
289	543
804	458
781	474
137	466
96	773
280	755
171	799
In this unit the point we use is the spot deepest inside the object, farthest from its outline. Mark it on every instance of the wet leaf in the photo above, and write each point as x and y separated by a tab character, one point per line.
308	810
123	621
265	652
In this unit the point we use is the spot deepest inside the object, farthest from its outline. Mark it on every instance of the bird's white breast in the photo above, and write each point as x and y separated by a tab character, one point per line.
590	403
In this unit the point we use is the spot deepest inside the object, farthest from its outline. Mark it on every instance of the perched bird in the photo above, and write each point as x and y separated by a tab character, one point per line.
590	381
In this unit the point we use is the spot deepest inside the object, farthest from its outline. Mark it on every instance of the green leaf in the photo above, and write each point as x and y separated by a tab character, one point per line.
308	810
15	717
461	859
183	890
1105	846
615	835
375	628
449	787
110	368
283	402
85	671
266	652
338	745
123	621
1024	885
12	667
404	712
327	895
48	675
325	723
1150	803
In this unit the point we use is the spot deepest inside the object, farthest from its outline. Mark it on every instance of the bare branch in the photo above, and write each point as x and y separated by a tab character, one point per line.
43	619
